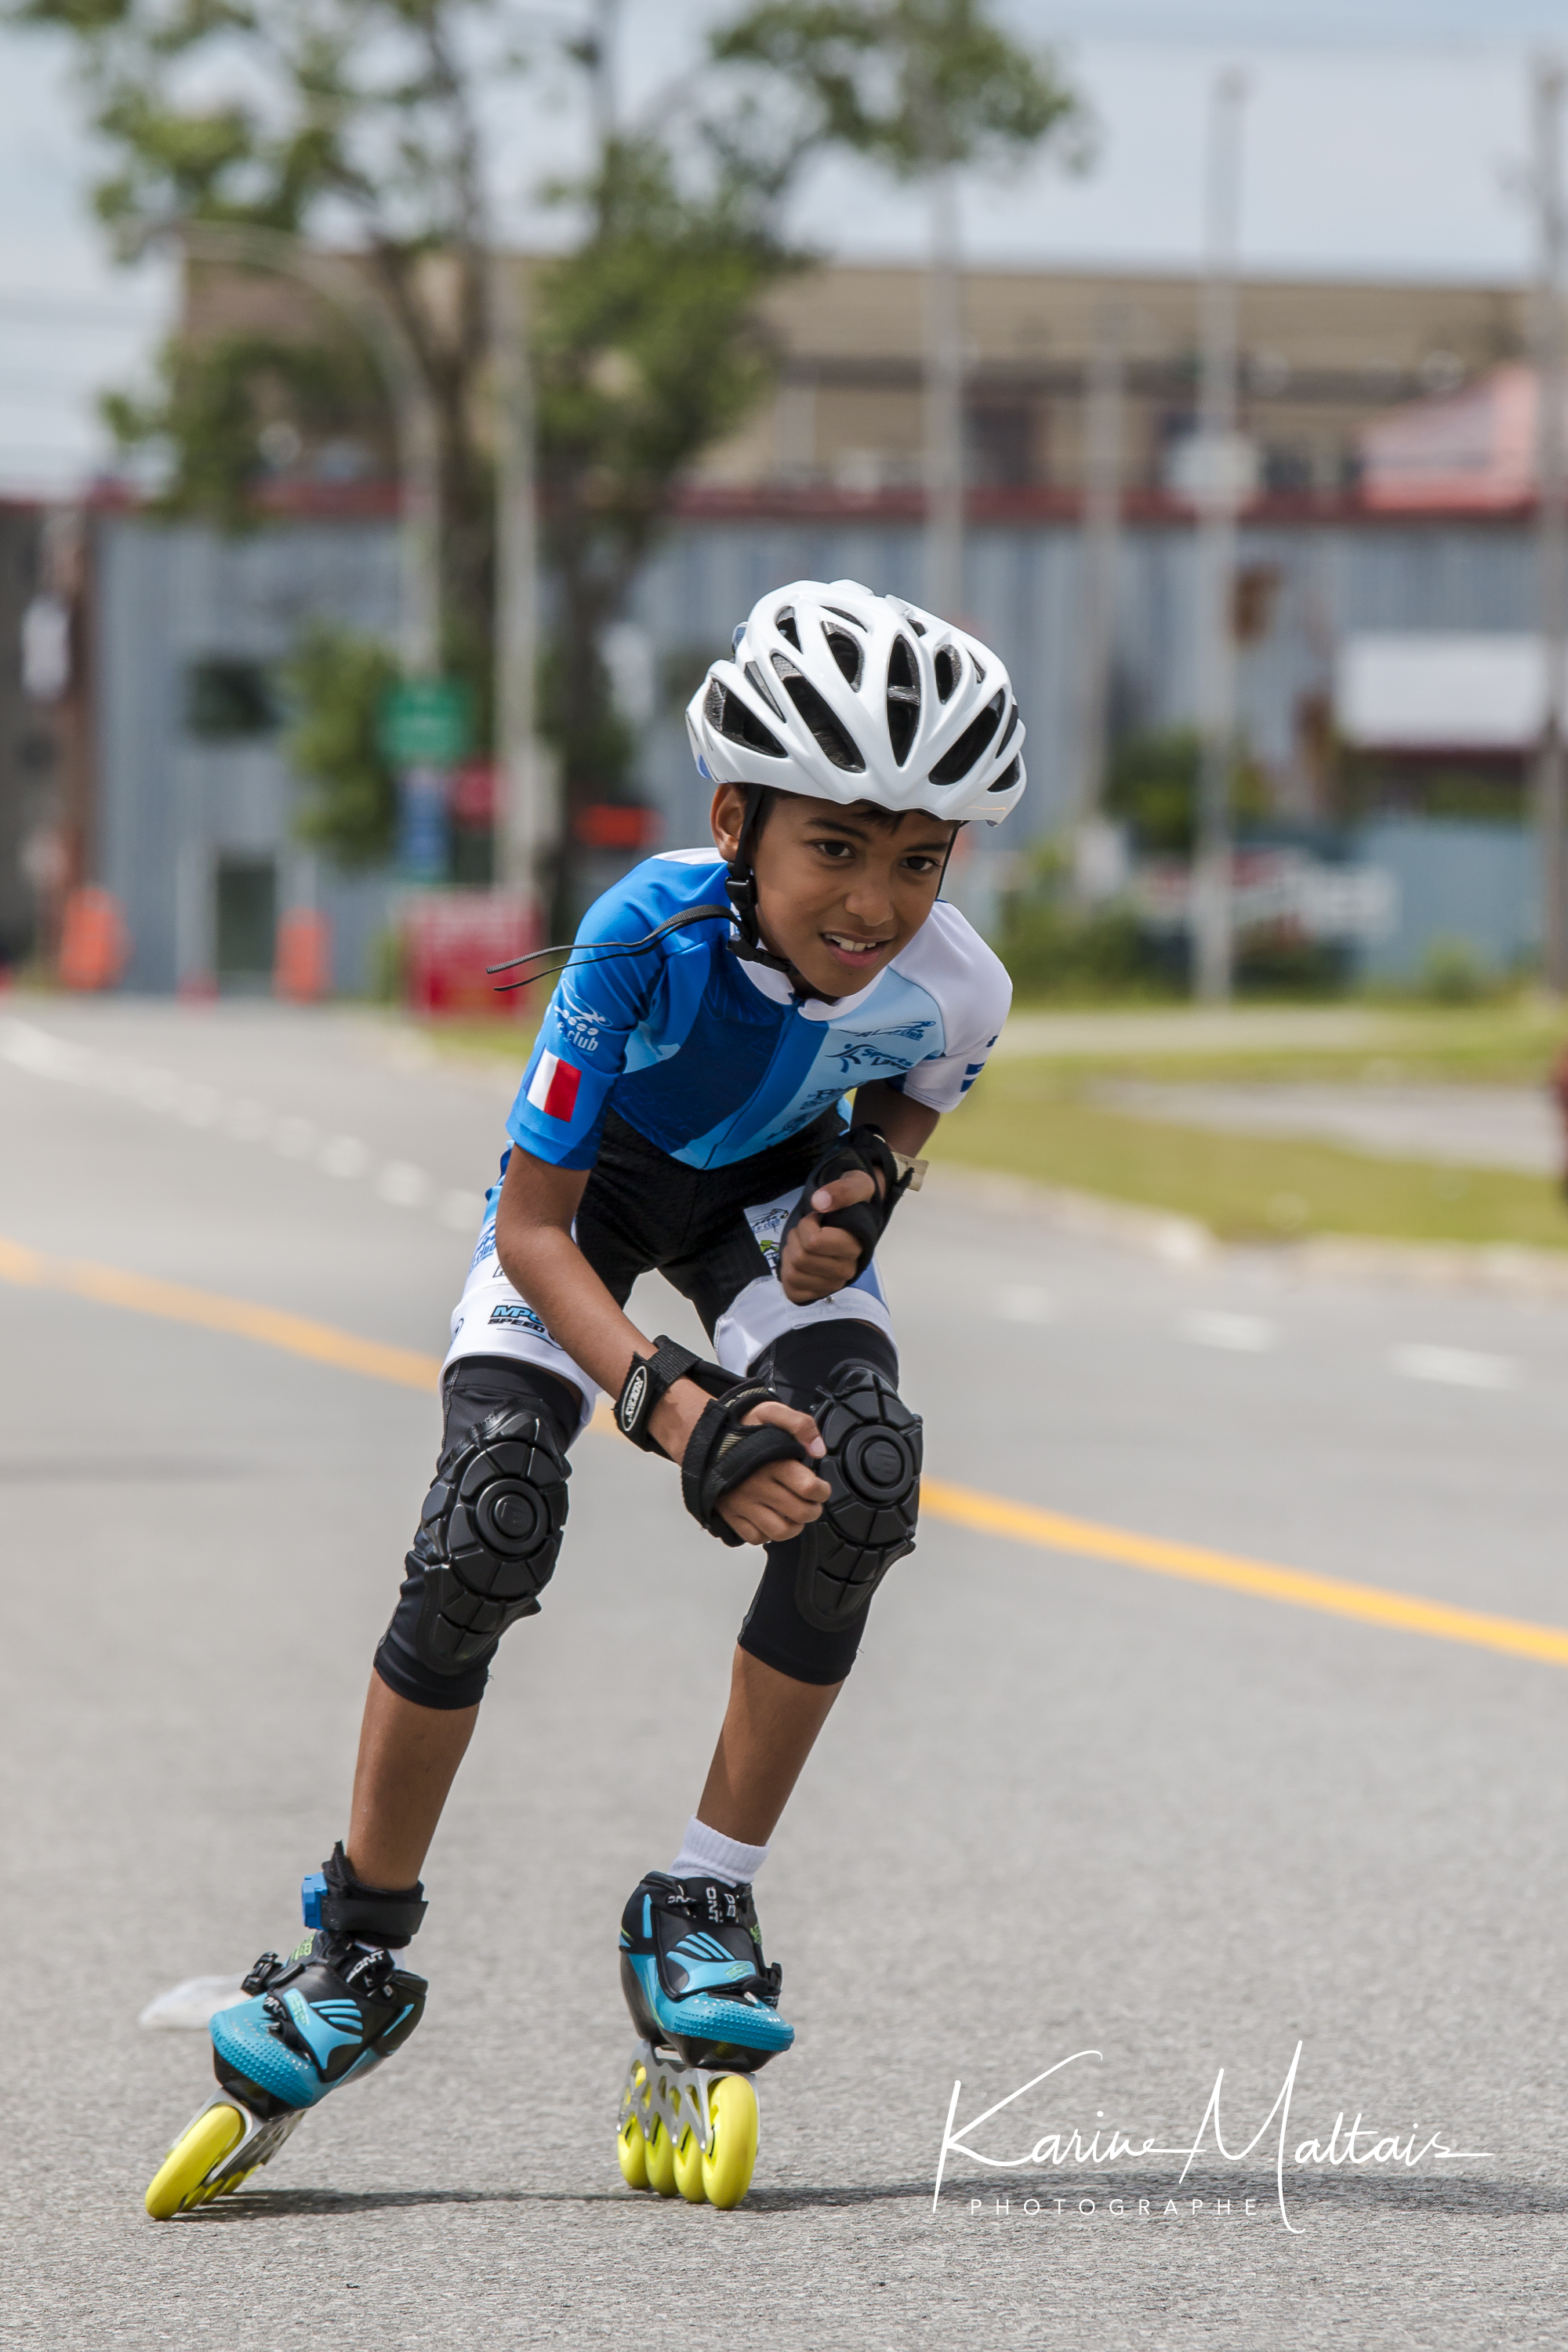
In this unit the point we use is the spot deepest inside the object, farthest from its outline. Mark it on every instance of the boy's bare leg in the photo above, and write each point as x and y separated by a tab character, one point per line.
770	1728
408	1760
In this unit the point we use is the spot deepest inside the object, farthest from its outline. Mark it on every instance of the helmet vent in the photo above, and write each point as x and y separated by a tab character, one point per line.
784	623
732	719
1007	778
903	698
839	612
949	670
831	738
971	746
760	686
846	653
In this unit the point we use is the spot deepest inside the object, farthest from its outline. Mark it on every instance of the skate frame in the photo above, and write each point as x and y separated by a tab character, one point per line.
672	2093
256	2144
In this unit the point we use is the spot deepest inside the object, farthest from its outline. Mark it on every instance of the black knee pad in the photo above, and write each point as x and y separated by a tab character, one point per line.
873	1465
489	1535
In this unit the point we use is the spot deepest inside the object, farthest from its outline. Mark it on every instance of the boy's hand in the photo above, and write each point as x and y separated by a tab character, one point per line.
818	1259
775	1502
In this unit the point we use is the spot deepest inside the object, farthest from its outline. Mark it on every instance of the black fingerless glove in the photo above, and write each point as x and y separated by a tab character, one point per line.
719	1454
862	1150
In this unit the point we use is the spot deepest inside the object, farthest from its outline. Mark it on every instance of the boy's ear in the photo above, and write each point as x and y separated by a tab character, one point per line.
727	816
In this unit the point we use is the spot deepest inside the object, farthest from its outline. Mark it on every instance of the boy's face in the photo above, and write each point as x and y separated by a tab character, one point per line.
839	891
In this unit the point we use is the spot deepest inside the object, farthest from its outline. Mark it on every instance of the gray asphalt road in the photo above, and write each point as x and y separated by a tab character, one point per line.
1064	1806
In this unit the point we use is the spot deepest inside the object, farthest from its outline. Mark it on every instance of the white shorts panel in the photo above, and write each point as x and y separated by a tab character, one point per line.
492	1319
761	1313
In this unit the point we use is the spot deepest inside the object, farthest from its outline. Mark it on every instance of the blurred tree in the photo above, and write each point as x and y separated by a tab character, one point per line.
914	85
332	686
1153	788
358	122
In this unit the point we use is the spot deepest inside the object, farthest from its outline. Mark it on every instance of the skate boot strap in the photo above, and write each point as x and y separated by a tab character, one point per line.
335	1900
710	1899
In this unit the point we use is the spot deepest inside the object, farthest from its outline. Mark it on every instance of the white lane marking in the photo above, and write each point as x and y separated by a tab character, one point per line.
43	1057
1025	1303
200	1106
294	1138
246	1120
1456	1367
404	1186
192	2005
344	1156
1245	1335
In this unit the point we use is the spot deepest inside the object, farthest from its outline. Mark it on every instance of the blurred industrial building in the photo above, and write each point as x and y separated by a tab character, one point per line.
1385	602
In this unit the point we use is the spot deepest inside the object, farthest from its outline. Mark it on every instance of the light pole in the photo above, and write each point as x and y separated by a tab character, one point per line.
525	824
944	397
1219	491
1101	552
1548	80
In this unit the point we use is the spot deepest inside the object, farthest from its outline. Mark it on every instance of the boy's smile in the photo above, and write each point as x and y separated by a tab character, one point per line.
840	890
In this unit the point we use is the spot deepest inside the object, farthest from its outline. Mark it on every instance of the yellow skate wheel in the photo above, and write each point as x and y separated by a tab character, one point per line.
659	2158
733	2143
632	2149
689	2167
177	2183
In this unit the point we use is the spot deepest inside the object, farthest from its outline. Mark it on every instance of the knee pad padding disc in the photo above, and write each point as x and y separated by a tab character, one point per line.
489	1535
873	1466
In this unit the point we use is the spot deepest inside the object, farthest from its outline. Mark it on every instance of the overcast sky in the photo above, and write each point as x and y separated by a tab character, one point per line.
1383	137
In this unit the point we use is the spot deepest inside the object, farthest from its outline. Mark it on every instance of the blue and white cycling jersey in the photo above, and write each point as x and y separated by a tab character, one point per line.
710	1059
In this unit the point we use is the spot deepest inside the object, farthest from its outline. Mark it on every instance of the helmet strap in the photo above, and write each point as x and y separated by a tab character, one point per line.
740	889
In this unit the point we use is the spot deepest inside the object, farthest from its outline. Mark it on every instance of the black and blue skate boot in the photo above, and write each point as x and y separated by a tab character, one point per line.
333	2009
706	2006
694	1976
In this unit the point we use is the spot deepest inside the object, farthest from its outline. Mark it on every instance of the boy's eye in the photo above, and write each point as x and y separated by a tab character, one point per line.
838	850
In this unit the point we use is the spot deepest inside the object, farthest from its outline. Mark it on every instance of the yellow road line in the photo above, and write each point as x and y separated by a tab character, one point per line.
963	1506
297	1334
1337	1596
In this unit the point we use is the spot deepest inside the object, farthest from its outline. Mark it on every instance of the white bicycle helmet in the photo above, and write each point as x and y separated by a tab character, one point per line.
843	695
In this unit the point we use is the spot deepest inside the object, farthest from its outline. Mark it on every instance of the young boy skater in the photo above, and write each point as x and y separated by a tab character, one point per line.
683	1110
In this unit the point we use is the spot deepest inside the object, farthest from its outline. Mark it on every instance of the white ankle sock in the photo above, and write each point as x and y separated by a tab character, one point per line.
702	1849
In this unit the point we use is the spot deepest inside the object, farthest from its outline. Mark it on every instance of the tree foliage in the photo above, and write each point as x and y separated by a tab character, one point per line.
912	84
357	124
334	685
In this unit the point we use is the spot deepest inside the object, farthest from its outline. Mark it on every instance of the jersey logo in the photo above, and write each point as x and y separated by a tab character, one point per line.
553	1087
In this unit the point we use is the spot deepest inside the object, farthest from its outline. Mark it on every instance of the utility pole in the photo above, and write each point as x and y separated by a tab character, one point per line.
1219	491
944	396
523	828
1548	78
1102	473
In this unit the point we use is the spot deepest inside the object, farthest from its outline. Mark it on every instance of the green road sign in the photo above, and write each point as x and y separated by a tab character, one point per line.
426	722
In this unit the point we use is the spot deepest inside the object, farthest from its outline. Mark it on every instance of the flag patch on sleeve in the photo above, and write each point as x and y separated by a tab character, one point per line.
553	1087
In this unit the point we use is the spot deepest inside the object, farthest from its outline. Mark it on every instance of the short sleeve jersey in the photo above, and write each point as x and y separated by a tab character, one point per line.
711	1059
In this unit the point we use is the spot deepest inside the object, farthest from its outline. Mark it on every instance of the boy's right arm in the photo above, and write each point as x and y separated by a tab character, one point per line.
538	1255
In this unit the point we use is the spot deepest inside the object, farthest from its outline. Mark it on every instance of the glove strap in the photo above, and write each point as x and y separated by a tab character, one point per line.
651	1378
721	1455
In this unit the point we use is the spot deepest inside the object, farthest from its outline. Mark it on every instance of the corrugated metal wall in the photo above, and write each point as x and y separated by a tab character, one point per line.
172	596
171	806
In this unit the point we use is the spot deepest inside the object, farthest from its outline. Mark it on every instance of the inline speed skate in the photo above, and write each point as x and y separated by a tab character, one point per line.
705	2005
